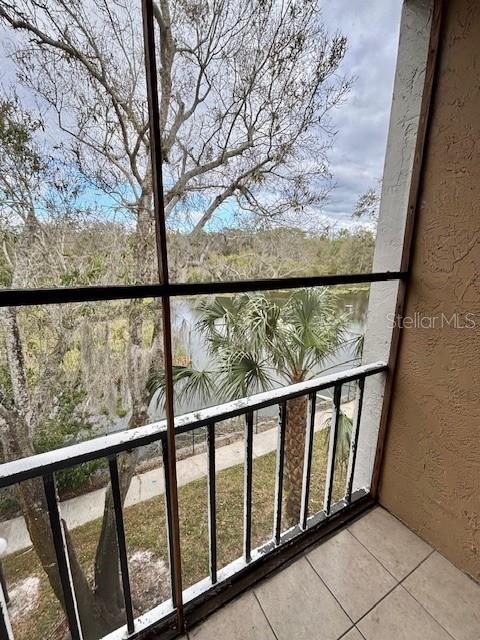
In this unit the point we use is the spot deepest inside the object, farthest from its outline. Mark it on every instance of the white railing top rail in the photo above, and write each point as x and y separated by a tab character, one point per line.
113	443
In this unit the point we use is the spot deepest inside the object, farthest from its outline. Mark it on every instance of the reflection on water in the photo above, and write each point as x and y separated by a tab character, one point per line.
189	345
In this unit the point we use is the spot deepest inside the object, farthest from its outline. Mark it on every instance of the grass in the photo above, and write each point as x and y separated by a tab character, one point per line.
145	530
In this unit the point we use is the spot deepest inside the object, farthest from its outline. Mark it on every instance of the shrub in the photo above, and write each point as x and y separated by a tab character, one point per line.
69	423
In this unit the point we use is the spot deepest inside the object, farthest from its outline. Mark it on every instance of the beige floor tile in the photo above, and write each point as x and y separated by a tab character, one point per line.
241	619
400	617
352	574
298	605
353	634
391	542
449	595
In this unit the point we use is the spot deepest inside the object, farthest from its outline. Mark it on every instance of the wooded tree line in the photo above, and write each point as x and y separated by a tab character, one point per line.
102	253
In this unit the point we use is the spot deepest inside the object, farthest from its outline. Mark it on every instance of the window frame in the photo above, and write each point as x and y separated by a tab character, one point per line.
165	290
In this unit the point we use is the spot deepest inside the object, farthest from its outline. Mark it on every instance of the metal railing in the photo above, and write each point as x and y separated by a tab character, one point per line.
45	466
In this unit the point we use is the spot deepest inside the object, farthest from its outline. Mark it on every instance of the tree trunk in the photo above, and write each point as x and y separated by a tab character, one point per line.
108	587
19	425
101	608
17	443
95	620
295	430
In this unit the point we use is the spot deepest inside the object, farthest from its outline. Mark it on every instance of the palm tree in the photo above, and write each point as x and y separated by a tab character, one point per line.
256	342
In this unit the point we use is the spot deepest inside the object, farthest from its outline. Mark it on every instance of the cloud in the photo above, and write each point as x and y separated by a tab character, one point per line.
357	157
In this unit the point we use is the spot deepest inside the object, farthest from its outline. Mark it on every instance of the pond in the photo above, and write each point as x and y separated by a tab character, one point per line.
190	344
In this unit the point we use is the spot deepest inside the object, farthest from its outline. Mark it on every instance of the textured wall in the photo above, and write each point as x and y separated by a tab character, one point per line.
431	475
399	160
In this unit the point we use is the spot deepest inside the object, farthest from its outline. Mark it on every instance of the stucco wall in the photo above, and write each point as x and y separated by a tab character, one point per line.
431	473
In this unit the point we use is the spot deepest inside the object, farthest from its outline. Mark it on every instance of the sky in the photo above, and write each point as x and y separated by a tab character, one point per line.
361	121
357	157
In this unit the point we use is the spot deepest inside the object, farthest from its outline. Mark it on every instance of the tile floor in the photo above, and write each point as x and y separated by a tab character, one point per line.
375	580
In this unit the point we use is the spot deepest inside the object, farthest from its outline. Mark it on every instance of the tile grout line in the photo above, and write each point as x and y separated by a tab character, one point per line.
381	563
461	571
346	632
404	524
418	602
330	592
428	613
399	583
264	614
336	600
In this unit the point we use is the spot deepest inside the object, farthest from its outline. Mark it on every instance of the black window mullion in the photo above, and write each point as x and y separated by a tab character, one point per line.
63	295
162	261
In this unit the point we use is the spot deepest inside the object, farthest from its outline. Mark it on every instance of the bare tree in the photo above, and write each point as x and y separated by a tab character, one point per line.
245	92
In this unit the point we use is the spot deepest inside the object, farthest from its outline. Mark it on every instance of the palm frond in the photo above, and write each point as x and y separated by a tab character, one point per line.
344	438
156	385
358	344
190	383
253	335
198	384
243	374
316	327
217	319
211	311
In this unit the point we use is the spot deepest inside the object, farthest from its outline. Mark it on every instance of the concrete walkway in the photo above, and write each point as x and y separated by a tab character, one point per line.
88	507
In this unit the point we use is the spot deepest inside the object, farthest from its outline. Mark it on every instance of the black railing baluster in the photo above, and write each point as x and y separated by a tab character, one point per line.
169	515
307	463
5	626
354	447
61	553
247	493
3	584
122	546
277	528
332	448
47	464
212	503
